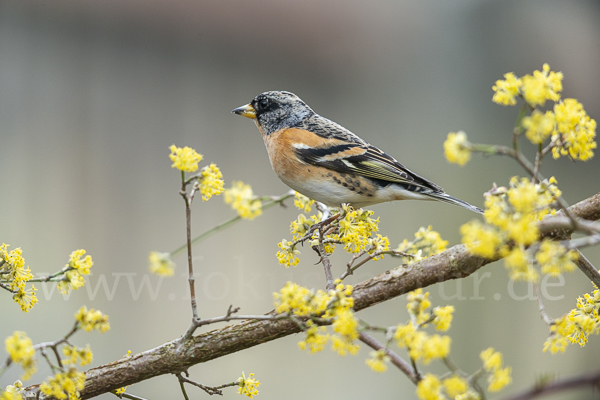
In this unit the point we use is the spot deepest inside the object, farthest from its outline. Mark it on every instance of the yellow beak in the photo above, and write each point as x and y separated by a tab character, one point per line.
245	111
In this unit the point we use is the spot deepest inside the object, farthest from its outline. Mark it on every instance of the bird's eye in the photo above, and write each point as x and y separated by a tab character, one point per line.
263	104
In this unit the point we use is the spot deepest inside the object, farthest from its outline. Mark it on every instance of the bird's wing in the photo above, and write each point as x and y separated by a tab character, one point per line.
346	153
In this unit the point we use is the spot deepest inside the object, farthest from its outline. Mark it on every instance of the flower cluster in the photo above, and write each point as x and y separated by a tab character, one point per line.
427	242
577	325
161	263
12	392
356	228
422	346
571	130
64	385
419	344
76	355
288	255
75	270
92	319
457	148
510	230
454	387
248	385
498	377
535	89
243	200
184	159
302	202
210	181
335	304
378	360
21	351
13	271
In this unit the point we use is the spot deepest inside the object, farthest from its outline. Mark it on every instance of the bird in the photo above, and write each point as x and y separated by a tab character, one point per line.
328	163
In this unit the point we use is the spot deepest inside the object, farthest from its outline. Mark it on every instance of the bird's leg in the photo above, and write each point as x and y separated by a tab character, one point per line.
324	210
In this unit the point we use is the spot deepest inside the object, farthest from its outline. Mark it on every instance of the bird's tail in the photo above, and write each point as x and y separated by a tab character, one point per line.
446	198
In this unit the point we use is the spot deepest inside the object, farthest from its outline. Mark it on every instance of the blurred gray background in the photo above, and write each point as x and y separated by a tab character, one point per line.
92	93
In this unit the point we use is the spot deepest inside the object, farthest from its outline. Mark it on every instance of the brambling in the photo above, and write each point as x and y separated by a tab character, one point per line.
328	163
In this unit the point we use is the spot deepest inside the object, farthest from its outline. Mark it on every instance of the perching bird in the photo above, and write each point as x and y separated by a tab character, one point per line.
328	163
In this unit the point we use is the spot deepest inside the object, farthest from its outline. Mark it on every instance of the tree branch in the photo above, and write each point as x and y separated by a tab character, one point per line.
176	356
543	389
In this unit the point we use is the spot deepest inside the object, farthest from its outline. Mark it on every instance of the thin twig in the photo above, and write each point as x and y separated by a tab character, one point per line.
130	396
398	361
188	198
7	287
587	268
211	390
592	379
50	278
537	164
350	268
228	223
545	317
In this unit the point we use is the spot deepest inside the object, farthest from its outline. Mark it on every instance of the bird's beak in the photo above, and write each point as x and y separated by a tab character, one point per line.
245	111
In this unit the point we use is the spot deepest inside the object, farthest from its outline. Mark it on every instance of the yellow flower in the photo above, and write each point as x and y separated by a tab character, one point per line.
121	390
161	264
443	317
184	159
554	258
499	379
517	262
436	347
481	239
418	303
64	384
405	334
342	345
455	386
492	360
81	265
457	148
12	392
560	330
523	195
92	319
506	90
242	199
288	255
522	230
356	229
378	243
26	298
300	226
75	354
378	360
543	85
430	388
210	181
248	386
576	131
74	271
539	126
21	351
427	243
13	264
346	324
315	339
302	202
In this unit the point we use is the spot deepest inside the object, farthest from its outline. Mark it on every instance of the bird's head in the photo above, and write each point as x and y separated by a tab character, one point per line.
275	110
